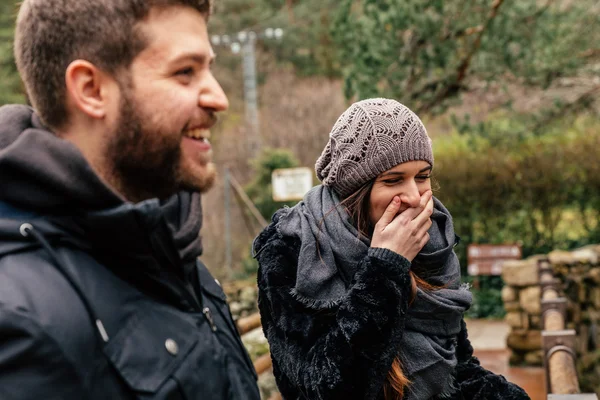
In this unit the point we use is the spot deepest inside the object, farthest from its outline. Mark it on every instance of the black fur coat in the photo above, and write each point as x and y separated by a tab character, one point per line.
346	352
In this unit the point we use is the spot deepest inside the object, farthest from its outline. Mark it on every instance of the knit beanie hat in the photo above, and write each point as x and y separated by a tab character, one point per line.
369	138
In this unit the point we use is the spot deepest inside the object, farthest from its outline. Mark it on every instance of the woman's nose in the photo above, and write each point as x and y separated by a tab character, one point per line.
411	196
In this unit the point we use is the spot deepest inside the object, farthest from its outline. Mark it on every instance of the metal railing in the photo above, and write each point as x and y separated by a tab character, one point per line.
558	343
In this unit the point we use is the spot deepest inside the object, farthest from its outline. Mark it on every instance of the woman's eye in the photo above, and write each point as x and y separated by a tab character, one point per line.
423	177
392	181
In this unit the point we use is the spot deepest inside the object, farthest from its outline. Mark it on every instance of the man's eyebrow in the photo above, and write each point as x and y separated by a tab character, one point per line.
198	58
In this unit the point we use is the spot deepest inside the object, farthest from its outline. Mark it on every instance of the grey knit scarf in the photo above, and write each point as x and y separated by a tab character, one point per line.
331	249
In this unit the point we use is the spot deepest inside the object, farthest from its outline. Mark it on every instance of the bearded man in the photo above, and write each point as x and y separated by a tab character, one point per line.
101	293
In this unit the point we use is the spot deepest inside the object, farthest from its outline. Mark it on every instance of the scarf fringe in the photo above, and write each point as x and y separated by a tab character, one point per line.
314	304
449	391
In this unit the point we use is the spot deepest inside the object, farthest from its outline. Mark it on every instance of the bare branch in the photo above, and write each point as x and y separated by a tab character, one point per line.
579	103
454	82
589	53
290	8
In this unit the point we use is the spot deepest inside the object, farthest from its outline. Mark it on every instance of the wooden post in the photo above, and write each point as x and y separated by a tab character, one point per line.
559	357
554	321
246	324
262	363
551	307
227	219
563	375
240	192
558	344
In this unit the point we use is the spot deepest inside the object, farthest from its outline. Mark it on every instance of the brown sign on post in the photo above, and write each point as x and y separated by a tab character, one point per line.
487	259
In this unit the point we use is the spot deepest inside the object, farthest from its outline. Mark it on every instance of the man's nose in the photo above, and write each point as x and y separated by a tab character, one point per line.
212	95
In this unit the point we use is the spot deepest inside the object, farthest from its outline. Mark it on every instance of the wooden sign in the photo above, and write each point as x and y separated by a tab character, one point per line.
487	259
291	183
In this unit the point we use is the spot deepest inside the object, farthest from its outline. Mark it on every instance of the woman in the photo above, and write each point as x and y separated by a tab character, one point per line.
359	286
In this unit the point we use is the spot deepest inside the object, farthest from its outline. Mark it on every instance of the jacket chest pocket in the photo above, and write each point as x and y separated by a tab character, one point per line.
157	351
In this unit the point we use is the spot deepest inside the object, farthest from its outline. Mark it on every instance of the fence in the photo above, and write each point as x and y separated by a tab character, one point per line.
558	343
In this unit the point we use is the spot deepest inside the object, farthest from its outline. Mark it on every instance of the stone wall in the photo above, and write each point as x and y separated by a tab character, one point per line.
242	298
521	295
579	273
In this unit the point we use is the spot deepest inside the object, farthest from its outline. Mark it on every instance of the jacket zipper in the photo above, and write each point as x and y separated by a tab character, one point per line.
209	318
195	301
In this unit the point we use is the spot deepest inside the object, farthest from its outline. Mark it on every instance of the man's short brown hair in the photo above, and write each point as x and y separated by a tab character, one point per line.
50	34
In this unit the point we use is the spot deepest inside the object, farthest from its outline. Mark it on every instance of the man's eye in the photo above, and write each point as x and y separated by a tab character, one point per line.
185	71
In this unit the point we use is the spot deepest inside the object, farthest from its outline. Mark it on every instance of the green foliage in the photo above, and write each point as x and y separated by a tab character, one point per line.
11	90
426	52
503	185
588	367
487	299
260	190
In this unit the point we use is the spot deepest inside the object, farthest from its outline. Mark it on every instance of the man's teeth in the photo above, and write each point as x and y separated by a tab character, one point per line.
201	134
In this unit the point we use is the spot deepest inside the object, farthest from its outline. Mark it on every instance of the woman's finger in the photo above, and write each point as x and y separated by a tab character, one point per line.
390	213
422	218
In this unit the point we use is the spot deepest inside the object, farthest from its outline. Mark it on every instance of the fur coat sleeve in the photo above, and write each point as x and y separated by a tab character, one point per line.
477	383
340	353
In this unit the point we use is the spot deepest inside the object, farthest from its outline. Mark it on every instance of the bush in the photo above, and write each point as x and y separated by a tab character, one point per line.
505	185
487	299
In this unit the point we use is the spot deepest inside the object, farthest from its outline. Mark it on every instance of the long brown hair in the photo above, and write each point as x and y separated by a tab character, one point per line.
357	205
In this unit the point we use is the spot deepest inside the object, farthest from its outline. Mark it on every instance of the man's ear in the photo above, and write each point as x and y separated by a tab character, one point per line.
87	88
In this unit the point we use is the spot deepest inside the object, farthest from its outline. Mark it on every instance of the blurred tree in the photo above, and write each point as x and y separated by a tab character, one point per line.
11	90
426	52
307	43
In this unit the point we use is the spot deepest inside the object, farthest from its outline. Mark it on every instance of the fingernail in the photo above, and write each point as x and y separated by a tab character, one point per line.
396	200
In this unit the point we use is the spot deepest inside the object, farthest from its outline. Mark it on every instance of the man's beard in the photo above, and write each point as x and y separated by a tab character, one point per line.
147	161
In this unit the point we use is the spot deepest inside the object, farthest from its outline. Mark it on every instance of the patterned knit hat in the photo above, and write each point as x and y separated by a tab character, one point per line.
369	138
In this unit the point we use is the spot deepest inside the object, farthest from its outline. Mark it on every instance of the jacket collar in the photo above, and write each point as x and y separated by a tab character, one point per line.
46	181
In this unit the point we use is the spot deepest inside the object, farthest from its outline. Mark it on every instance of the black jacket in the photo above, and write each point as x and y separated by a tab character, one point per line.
99	298
346	352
